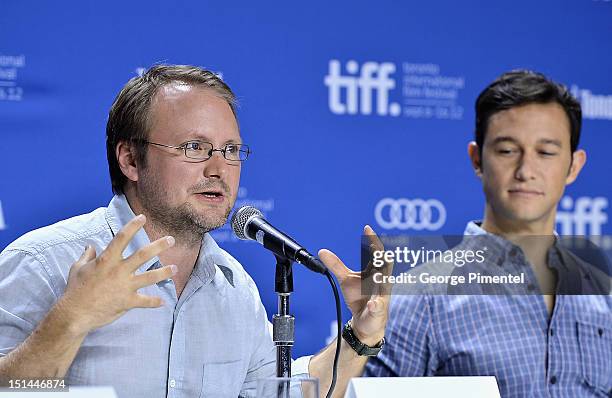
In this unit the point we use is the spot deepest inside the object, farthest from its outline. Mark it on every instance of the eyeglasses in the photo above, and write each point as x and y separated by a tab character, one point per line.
201	150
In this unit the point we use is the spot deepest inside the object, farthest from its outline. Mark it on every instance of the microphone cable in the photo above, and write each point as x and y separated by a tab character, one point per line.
339	338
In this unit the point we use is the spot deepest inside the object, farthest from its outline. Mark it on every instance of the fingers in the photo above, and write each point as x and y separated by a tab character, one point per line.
377	305
88	254
339	269
335	265
154	276
146	253
123	237
373	238
143	301
376	245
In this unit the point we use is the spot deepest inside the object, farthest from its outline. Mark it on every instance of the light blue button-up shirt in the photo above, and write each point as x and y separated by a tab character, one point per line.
213	340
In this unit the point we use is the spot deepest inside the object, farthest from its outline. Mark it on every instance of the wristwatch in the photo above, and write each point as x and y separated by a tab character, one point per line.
361	349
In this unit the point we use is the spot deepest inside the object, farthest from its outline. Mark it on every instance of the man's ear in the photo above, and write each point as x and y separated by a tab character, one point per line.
126	157
579	158
474	154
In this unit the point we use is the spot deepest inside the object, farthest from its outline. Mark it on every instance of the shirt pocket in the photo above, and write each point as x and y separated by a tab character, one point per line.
595	342
222	379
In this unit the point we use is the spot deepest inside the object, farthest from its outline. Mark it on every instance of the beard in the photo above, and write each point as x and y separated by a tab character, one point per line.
183	220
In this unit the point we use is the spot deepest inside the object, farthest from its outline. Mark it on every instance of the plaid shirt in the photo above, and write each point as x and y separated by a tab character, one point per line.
512	337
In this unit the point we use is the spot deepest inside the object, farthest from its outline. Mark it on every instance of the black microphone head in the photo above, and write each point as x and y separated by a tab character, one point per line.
241	218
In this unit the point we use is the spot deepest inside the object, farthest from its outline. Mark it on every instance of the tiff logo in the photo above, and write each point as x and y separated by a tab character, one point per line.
587	212
594	106
2	223
357	87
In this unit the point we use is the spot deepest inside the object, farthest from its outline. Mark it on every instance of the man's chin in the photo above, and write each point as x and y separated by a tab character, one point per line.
527	216
210	222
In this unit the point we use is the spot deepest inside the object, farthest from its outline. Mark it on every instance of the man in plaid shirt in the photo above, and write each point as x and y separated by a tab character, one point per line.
547	343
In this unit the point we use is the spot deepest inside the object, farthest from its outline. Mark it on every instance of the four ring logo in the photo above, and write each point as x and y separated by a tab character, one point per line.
417	214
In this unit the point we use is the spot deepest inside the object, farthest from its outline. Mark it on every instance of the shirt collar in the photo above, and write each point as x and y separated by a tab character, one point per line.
210	258
499	250
497	246
119	213
475	228
505	248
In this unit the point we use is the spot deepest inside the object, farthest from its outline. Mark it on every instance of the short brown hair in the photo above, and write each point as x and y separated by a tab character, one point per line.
523	87
129	118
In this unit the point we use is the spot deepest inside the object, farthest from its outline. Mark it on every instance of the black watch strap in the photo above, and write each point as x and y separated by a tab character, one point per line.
361	349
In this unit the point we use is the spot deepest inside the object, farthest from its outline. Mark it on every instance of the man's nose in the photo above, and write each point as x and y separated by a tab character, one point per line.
526	167
216	165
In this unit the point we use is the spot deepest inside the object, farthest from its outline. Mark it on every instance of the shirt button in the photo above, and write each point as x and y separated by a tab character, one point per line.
553	380
600	331
172	383
552	331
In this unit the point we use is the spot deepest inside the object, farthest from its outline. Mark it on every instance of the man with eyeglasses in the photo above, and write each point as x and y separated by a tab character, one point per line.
138	295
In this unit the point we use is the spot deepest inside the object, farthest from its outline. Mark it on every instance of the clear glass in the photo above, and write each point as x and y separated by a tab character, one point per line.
283	387
203	150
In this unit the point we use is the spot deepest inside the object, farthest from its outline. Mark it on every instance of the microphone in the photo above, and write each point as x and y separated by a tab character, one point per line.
249	223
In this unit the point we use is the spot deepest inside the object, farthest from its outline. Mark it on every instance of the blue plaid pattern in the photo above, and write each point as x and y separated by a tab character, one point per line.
507	336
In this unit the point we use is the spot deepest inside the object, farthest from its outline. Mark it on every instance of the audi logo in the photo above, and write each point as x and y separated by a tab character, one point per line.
417	214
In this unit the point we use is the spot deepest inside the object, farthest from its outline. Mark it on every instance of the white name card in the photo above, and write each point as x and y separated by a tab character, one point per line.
423	387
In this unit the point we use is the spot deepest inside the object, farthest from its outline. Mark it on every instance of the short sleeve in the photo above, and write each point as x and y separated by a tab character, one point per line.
26	295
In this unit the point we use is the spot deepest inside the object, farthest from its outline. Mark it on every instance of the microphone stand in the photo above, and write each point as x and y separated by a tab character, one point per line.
283	324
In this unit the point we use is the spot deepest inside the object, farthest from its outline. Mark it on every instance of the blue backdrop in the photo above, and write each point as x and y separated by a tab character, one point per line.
351	108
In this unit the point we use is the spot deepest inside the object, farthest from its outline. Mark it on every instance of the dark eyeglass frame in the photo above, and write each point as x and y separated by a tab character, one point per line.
242	148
